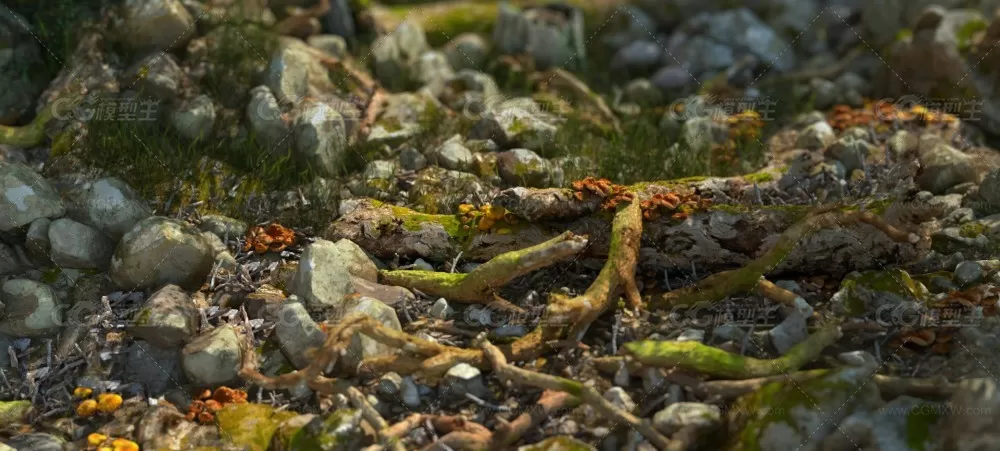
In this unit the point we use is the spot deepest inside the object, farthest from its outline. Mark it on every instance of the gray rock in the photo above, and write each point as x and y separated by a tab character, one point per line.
36	441
552	36
79	246
422	265
943	167
461	379
975	408
267	122
452	154
679	415
728	332
296	333
26	197
790	332
156	25
817	135
9	263
213	358
362	346
390	386
989	192
167	319
968	273
522	167
742	29
223	227
158	369
620	398
850	152
432	69
36	241
326	272
699	55
157	76
467	51
160	251
329	43
320	137
195	118
700	134
890	427
393	54
31	309
339	20
295	73
410	393
857	358
515	123
672	78
411	159
639	56
697	335
440	309
642	92
110	205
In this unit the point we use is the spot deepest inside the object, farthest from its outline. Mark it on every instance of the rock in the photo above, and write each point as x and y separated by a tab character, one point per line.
157	76
224	227
250	426
75	245
963	431
551	35
362	346
195	118
158	251
402	118
31	309
213	358
21	54
742	30
701	134
14	412
515	123
339	430
297	333
671	78
339	20
438	190
461	379
36	441
157	25
522	167
157	369
36	241
9	263
879	292
639	57
440	309
817	135
321	137
452	154
411	159
167	319
642	92
326	270
422	265
388	294
943	167
810	409
295	73
432	69
333	45
857	358
410	393
699	55
851	152
389	386
110	205
968	273
467	51
267	122
26	197
562	442
905	423
678	415
620	398
697	335
394	53
989	192
790	332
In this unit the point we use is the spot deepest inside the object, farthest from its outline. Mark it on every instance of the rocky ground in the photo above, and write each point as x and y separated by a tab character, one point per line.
658	224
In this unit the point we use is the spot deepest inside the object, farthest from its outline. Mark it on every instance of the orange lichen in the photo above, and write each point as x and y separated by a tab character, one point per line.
96	439
274	238
86	408
203	410
679	205
121	444
82	392
109	402
603	188
881	114
939	341
484	218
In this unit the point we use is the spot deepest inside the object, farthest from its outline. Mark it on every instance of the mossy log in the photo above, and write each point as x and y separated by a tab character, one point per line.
723	237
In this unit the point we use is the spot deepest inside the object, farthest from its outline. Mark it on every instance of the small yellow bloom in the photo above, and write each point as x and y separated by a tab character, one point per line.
96	439
105	448
109	402
465	208
121	444
86	408
82	392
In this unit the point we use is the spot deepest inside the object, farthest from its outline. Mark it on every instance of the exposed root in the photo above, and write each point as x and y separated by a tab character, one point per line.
586	394
720	285
33	134
460	433
715	362
508	433
481	285
775	293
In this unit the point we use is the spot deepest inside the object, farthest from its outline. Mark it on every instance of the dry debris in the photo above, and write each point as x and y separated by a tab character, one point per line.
274	238
208	403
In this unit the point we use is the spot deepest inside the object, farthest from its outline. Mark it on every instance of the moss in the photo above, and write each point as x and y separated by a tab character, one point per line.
560	443
143	317
338	431
759	177
904	34
13	411
414	221
919	422
51	275
973	229
966	33
250	425
892	281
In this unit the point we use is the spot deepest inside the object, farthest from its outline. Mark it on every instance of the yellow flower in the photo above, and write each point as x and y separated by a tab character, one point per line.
109	402
87	408
82	392
465	208
96	439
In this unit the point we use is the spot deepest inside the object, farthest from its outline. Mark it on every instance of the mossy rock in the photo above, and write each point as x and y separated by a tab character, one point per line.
862	293
250	426
12	412
338	431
